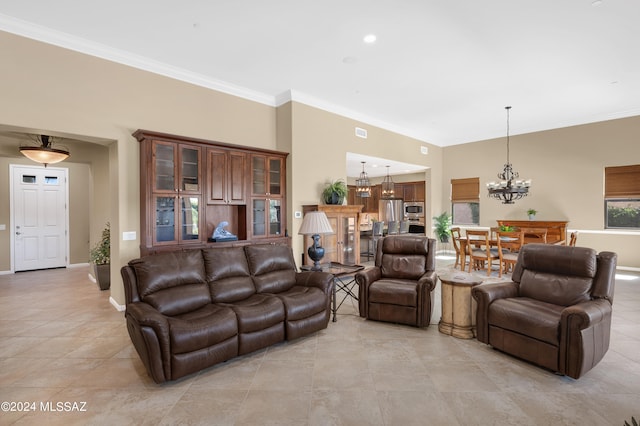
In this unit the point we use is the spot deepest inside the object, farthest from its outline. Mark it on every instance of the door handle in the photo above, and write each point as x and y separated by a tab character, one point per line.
18	233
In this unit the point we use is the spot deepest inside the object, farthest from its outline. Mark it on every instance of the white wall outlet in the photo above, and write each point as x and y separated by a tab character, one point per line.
129	235
297	215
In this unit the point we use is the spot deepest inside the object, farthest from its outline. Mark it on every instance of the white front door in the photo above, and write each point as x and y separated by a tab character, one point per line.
39	210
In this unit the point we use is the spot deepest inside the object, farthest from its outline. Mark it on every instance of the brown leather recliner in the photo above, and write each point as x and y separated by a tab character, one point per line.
556	312
399	288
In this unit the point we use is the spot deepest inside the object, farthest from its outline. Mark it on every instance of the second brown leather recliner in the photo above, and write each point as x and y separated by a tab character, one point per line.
556	311
399	288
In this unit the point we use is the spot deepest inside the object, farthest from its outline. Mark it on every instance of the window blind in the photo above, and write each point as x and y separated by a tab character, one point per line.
465	190
622	182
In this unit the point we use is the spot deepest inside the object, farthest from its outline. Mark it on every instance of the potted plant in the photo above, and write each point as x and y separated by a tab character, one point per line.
532	214
335	192
100	256
443	226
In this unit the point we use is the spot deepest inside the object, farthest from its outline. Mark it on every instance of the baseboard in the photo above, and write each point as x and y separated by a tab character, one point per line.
6	272
78	265
118	306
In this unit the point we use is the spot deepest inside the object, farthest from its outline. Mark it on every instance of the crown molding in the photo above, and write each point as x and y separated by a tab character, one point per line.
78	44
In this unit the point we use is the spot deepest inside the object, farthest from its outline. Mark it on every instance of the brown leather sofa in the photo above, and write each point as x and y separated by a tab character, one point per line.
556	311
192	309
399	288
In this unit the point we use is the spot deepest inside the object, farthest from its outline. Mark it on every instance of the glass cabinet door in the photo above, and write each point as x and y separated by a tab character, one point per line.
349	240
258	175
275	218
275	176
164	165
165	229
189	169
189	218
258	214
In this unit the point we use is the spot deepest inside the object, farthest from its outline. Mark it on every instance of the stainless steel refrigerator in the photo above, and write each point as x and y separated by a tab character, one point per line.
391	209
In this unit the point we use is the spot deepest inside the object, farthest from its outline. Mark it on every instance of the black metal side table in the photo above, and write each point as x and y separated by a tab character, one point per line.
343	279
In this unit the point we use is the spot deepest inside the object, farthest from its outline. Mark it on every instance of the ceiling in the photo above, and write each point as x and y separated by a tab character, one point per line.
439	71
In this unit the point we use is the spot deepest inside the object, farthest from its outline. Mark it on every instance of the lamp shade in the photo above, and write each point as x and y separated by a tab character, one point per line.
315	223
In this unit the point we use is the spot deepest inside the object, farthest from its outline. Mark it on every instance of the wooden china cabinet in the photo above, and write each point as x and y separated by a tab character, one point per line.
343	246
189	186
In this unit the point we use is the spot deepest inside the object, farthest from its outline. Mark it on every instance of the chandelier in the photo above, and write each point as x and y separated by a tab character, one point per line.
509	188
44	152
388	187
363	186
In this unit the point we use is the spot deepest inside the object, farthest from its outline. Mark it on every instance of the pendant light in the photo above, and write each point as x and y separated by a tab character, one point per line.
44	152
509	188
363	186
388	187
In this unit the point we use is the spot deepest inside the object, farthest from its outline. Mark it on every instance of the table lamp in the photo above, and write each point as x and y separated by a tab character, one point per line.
314	224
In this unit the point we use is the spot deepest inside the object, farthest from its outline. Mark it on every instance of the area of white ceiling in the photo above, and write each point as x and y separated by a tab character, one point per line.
377	167
439	71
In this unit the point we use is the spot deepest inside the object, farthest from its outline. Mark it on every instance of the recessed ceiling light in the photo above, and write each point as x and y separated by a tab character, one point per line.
370	38
596	3
349	60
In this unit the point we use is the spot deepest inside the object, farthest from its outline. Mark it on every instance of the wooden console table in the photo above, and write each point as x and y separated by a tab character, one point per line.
556	229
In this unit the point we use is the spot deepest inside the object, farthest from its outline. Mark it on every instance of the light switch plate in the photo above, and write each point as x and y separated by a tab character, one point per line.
3	227
129	235
297	215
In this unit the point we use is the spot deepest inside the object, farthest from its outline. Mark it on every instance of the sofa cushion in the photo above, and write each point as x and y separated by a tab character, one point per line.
272	267
528	317
394	291
563	290
302	302
410	267
227	273
161	278
258	312
203	328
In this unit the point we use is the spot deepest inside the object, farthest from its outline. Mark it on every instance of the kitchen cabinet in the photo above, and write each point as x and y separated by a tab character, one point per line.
343	246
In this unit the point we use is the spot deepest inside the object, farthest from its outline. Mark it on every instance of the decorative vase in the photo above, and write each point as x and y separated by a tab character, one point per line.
532	217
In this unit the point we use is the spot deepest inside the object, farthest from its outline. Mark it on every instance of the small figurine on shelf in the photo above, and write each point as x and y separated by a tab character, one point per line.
221	234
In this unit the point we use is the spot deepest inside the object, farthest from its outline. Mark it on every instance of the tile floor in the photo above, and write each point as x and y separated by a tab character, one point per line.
62	342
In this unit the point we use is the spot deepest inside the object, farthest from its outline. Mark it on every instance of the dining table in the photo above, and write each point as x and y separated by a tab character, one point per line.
493	242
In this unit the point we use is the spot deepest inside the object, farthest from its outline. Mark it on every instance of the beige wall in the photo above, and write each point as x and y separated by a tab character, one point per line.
320	142
567	169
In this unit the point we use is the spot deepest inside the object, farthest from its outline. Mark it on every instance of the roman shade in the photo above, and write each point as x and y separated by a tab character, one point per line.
622	182
465	190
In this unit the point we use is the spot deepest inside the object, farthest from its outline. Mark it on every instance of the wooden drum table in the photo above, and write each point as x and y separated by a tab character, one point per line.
458	307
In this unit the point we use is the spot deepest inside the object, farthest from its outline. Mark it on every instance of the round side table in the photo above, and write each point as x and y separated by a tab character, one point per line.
458	307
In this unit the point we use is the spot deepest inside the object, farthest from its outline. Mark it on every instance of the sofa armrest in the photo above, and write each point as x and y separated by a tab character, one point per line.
584	336
321	280
428	281
364	280
484	295
149	332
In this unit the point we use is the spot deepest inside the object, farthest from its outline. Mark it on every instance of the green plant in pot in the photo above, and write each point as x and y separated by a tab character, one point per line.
100	256
443	226
335	192
532	213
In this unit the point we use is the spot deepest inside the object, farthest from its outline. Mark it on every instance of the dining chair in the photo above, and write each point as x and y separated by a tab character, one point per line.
404	226
574	237
393	228
455	238
535	235
480	250
509	244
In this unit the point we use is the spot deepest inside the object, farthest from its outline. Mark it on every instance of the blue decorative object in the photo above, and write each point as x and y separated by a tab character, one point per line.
220	234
